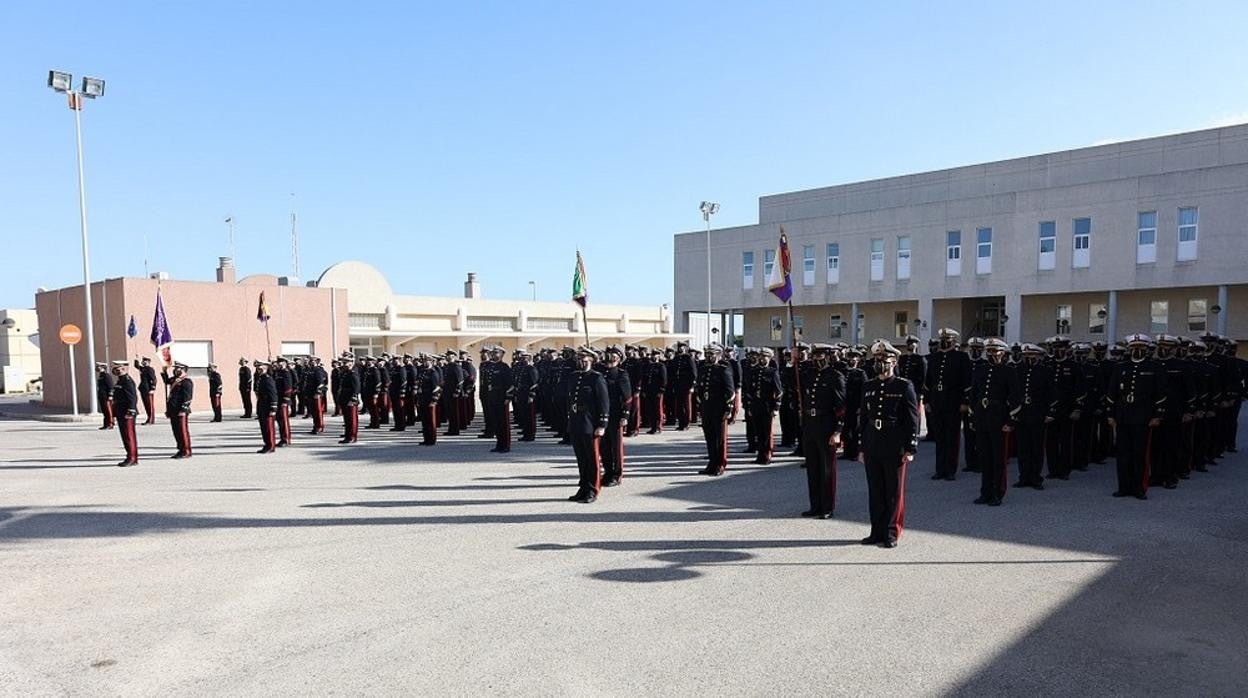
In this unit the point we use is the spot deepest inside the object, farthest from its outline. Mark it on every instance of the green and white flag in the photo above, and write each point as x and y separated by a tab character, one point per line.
580	288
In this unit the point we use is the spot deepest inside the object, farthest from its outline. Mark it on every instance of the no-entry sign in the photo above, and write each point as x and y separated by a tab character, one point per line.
70	334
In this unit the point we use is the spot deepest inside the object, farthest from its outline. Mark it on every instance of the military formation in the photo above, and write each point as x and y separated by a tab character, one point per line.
1164	407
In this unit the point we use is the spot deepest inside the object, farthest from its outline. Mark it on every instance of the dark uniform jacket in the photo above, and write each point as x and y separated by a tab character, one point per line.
104	383
684	372
497	382
397	381
823	401
215	386
428	386
244	378
1068	387
526	380
1178	375
654	379
855	381
1035	386
1137	392
349	388
913	368
995	395
889	416
619	392
716	389
266	394
589	405
764	388
147	377
125	396
180	393
452	378
948	379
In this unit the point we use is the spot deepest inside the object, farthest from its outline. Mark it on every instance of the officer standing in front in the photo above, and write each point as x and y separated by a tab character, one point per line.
349	398
104	383
589	410
126	407
995	404
823	404
147	387
1137	403
1036	385
717	394
889	420
178	407
244	387
266	406
948	379
216	388
765	394
619	401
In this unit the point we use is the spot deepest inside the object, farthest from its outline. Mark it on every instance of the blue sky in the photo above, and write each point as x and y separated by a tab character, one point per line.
433	139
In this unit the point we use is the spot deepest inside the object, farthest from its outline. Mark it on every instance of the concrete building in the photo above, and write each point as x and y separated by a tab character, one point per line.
19	350
210	322
383	321
1141	236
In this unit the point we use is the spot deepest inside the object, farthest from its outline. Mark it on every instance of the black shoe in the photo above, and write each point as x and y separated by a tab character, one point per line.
653	431
982	500
1201	469
485	436
281	444
1171	485
1037	486
716	473
761	461
889	544
938	476
1081	468
587	499
1020	483
344	441
246	416
392	429
748	450
1185	476
1119	494
1141	495
565	442
871	540
576	497
501	450
177	455
810	513
950	478
994	502
103	428
124	464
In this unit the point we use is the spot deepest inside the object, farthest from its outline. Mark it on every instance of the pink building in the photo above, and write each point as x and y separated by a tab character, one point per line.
210	322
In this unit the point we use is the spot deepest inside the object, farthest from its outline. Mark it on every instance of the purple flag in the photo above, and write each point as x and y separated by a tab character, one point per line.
161	337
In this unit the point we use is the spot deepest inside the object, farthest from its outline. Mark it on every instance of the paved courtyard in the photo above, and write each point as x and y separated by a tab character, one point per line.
389	568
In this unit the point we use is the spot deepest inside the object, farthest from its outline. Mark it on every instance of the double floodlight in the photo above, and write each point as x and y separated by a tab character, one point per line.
708	208
64	82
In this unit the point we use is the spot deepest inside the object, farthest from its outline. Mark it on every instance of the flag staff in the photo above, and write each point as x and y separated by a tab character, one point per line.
580	293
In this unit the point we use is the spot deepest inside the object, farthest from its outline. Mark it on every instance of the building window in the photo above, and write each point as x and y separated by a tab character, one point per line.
834	262
1187	234
769	263
953	253
196	355
1097	313
297	348
903	257
777	329
983	251
901	324
877	259
808	265
1197	315
1082	257
1159	317
1063	319
1146	238
747	270
799	327
834	326
1048	245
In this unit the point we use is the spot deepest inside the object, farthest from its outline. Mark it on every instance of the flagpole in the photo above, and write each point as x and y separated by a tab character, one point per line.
797	366
268	344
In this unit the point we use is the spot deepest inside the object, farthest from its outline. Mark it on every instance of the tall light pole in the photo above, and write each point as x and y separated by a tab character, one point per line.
91	88
708	209
229	222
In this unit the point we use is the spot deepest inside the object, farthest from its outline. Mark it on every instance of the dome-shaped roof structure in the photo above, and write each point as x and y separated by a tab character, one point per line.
367	288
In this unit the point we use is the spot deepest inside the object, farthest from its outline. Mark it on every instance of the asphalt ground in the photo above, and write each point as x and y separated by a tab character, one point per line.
390	568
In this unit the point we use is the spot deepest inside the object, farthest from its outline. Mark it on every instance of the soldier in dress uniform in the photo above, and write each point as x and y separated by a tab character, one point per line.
717	392
335	380
244	387
429	382
1083	430
823	414
349	397
766	393
498	387
912	366
452	396
945	396
730	357
749	369
792	402
104	384
283	380
1137	400
411	372
619	402
267	404
684	375
1104	438
178	406
216	388
1035	381
383	389
654	387
468	392
1167	442
975	350
589	410
855	379
1069	392
634	364
889	421
126	408
396	390
318	385
527	380
995	404
669	399
369	383
147	387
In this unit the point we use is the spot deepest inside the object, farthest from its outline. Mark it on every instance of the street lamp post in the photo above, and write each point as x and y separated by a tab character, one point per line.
708	209
91	88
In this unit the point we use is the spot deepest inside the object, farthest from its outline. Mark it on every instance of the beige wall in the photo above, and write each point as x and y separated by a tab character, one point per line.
19	349
224	314
877	322
1134	308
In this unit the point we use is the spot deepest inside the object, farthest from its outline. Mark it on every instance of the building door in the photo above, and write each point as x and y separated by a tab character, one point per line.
988	318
